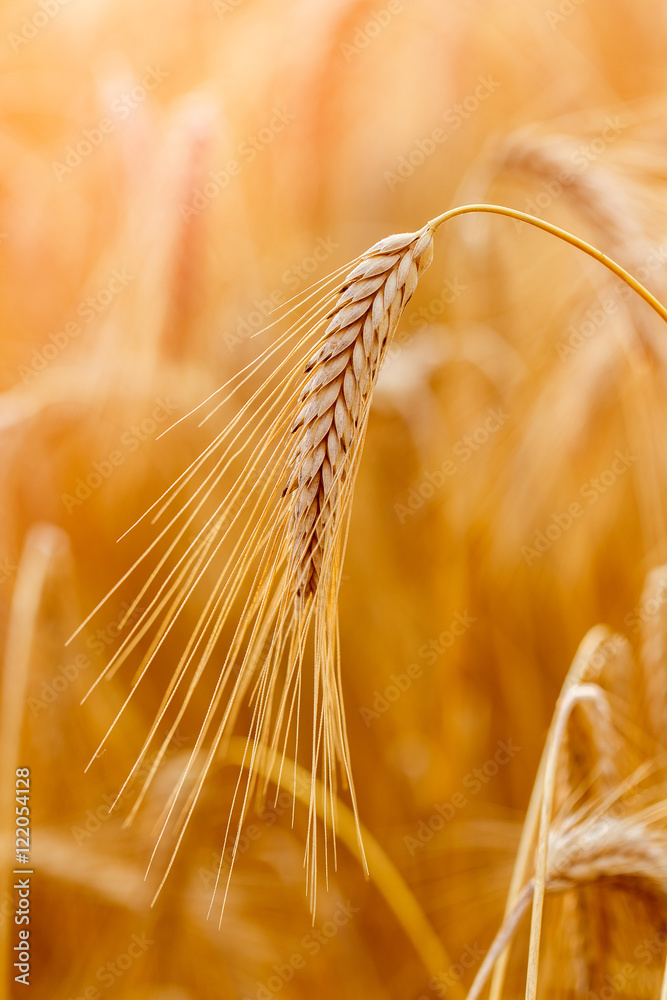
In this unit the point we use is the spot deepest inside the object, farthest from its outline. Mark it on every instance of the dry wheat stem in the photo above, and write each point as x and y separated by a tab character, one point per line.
596	191
572	696
591	731
600	197
587	647
590	844
389	881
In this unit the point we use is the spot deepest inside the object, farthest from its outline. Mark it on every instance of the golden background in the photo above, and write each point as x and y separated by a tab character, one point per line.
169	172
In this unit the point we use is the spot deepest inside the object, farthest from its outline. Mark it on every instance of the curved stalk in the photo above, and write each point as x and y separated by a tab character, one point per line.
562	234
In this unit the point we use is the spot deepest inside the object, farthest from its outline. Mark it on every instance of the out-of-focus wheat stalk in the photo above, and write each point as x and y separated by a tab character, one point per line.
628	853
385	875
598	837
45	553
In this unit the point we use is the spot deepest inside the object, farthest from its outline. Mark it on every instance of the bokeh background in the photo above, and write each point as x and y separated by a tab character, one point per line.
169	172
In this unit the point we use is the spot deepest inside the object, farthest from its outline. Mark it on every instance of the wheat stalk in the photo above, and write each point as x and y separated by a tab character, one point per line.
600	197
593	844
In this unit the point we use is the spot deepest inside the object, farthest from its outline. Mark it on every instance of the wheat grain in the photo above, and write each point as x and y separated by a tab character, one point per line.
592	844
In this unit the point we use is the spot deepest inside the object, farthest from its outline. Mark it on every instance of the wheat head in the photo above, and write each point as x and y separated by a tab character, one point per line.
608	849
274	543
336	397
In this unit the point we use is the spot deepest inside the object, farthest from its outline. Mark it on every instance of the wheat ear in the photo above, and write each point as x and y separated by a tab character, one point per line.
299	440
611	849
336	397
629	852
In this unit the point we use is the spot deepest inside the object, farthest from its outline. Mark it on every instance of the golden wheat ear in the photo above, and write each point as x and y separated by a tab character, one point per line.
335	400
322	443
274	542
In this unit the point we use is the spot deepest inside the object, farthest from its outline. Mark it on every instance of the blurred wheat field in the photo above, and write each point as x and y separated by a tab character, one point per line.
170	176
